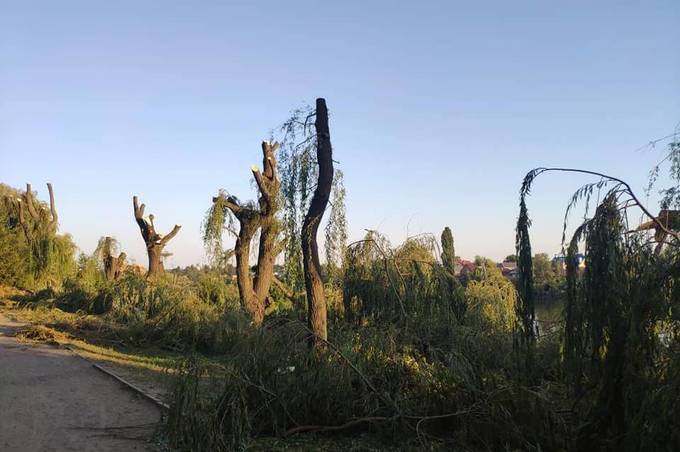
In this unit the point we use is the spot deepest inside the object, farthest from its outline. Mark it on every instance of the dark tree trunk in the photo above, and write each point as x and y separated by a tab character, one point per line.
316	300
154	241
254	292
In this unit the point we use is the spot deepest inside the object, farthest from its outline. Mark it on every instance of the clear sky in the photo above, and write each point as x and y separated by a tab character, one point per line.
438	107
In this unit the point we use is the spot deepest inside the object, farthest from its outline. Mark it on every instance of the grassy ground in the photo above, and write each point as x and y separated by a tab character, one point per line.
149	368
90	337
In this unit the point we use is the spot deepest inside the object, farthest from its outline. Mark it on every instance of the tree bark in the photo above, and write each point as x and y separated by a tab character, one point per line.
153	240
113	266
249	299
316	300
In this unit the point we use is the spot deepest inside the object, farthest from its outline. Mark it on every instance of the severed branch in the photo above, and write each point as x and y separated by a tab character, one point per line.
53	208
171	234
35	210
28	198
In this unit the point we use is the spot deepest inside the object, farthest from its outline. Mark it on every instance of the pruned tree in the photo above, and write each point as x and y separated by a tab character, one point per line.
113	266
253	291
39	223
155	242
316	301
40	219
298	170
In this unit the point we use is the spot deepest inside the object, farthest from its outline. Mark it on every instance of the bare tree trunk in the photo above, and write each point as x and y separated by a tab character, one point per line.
249	299
154	241
254	293
113	266
316	300
265	260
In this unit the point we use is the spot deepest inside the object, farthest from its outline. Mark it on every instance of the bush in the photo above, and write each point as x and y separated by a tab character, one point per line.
490	299
164	310
373	379
213	289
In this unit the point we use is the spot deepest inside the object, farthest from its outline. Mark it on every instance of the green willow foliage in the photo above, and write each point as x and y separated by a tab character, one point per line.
336	230
525	305
670	195
298	171
490	299
614	350
621	339
41	260
399	284
217	219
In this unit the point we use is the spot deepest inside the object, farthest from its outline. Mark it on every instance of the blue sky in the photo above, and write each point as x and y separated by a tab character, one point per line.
438	108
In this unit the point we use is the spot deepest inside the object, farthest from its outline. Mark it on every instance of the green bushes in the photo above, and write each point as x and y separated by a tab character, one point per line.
171	311
491	299
393	383
213	289
388	284
32	255
166	310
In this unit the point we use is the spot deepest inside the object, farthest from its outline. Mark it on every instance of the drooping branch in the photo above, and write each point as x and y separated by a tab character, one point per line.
620	189
525	305
627	189
154	241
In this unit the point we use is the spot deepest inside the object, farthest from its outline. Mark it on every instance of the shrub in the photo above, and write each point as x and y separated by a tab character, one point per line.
372	379
490	299
213	289
164	310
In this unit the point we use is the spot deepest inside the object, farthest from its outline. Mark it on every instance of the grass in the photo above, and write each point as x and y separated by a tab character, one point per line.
153	369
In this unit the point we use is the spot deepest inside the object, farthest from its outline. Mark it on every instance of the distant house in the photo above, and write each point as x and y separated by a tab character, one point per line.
508	269
463	268
560	261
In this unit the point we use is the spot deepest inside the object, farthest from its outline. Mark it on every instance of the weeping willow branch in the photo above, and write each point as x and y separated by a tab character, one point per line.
525	304
526	188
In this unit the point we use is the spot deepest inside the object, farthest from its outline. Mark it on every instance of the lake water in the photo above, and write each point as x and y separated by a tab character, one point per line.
549	315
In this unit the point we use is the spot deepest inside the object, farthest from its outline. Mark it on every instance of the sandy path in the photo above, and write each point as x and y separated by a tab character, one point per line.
51	400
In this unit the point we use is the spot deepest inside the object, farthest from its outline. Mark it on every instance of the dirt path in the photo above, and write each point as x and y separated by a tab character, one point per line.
51	400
